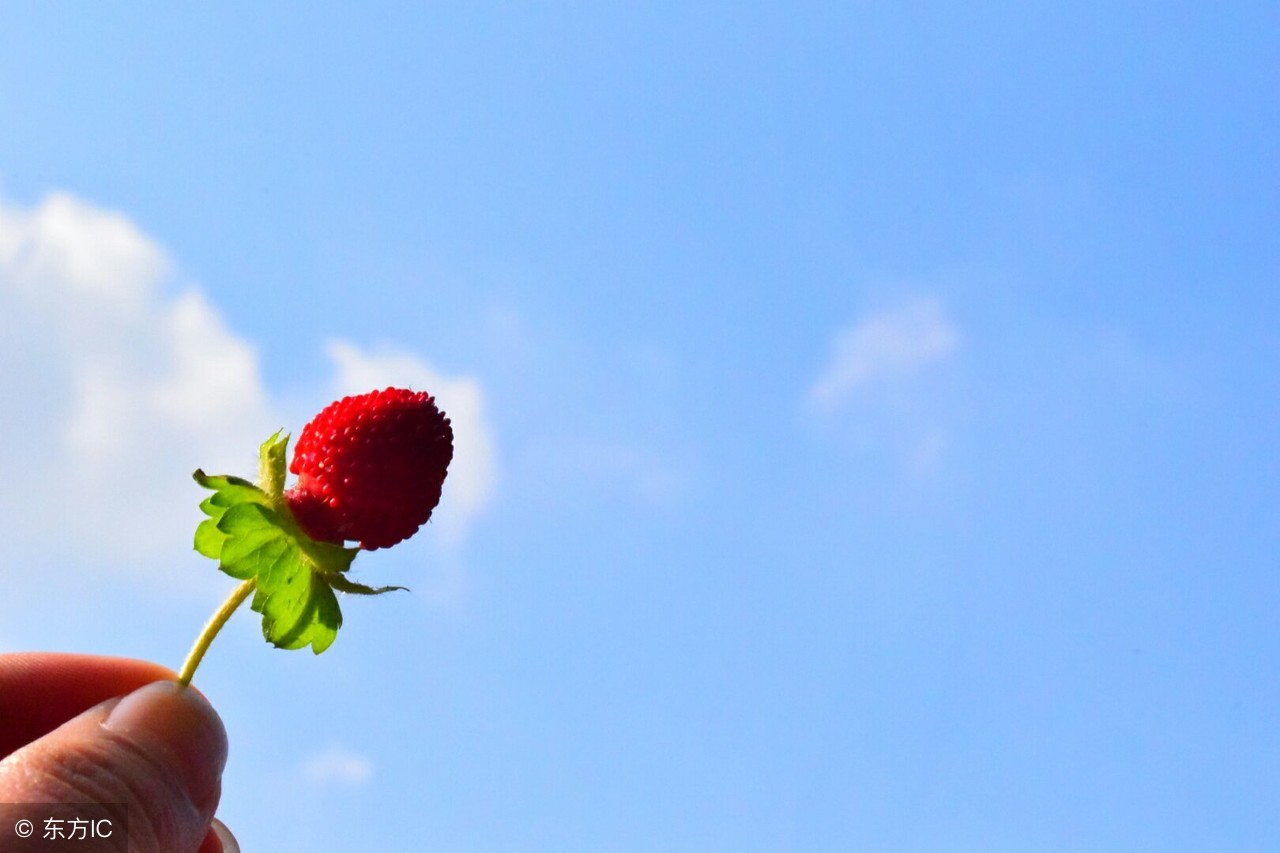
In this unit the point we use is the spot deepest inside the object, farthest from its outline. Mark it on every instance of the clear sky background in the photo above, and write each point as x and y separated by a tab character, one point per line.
867	412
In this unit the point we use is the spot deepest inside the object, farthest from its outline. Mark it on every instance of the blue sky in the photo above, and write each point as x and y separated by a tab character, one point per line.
869	409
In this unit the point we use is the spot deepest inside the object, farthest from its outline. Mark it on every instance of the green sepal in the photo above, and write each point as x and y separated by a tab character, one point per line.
298	609
343	584
228	492
271	463
255	544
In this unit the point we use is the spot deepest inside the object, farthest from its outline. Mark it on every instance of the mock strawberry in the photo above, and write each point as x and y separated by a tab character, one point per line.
370	468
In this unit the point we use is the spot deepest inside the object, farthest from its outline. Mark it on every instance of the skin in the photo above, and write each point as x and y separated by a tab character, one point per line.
83	728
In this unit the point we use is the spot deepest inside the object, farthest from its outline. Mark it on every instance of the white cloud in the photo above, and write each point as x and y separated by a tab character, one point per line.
337	766
472	473
117	381
886	346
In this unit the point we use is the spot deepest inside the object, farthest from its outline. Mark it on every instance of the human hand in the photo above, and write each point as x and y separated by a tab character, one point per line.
81	728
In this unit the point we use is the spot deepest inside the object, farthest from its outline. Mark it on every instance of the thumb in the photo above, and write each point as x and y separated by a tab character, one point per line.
160	750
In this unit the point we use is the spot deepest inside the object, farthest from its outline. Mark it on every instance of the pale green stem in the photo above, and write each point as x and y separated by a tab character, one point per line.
211	630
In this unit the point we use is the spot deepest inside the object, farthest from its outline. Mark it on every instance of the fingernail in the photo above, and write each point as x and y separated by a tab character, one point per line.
178	728
229	843
219	839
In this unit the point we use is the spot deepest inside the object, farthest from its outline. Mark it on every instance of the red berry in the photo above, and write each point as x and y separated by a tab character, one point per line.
370	468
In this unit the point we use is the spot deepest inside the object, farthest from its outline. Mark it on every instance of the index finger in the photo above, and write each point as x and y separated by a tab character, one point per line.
40	691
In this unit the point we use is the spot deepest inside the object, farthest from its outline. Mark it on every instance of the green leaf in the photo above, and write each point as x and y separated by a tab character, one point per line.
327	557
298	608
228	492
251	533
342	584
255	544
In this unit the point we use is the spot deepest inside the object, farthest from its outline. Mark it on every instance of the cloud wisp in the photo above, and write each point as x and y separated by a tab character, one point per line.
885	380
888	346
339	767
